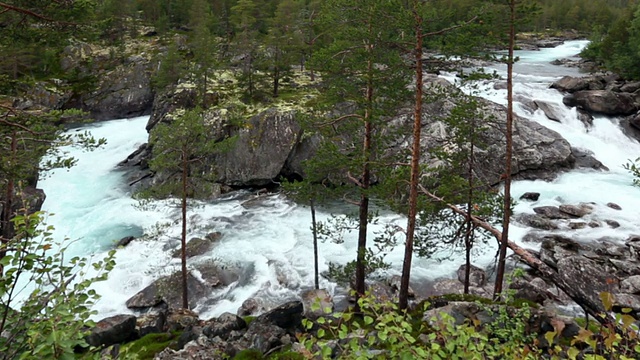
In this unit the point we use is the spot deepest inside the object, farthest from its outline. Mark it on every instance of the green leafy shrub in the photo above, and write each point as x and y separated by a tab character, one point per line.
53	320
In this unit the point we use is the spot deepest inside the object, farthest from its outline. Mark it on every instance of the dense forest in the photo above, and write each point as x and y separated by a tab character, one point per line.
33	38
352	65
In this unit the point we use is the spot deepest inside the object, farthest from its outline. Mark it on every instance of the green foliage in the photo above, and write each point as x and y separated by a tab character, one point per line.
384	332
171	68
618	47
53	320
634	169
249	354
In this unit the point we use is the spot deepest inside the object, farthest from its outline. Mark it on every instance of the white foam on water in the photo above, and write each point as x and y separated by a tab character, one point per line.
270	239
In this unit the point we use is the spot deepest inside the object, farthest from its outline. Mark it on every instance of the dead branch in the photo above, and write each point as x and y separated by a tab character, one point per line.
592	308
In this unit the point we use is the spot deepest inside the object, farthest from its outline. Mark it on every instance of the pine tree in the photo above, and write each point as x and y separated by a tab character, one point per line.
177	148
360	70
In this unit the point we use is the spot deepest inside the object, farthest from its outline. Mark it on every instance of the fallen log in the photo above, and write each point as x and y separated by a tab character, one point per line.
592	308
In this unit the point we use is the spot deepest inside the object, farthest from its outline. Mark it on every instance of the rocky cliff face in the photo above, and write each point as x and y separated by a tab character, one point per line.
270	144
110	83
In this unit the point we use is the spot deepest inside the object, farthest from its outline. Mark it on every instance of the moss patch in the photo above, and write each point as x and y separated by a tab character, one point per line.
151	344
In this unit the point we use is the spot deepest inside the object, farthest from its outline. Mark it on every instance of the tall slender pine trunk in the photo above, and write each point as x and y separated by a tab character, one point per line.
415	166
363	216
504	240
314	229
183	243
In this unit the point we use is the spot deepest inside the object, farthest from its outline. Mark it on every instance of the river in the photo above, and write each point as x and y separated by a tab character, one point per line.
271	240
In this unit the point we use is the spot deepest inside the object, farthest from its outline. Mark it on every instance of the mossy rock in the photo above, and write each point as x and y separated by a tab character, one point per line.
149	345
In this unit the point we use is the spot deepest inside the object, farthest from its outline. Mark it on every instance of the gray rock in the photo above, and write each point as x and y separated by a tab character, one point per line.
602	101
630	285
286	316
626	301
223	325
197	246
317	303
113	330
630	87
168	289
572	84
551	111
477	276
576	211
612	223
585	118
614	206
151	322
395	283
249	307
586	277
180	319
550	212
536	221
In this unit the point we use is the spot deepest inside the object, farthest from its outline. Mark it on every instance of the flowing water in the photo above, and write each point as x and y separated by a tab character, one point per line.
269	238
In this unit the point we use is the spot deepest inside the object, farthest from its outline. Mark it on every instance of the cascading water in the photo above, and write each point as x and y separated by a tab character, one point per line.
269	239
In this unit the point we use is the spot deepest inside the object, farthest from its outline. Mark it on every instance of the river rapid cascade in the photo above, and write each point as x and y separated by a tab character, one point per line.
269	239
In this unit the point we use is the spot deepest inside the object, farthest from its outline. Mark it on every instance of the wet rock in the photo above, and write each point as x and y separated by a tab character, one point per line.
317	303
551	212
113	330
585	159
477	276
168	289
551	111
585	118
249	307
614	206
532	196
197	246
572	84
216	275
577	225
536	221
576	211
125	241
612	223
602	102
630	87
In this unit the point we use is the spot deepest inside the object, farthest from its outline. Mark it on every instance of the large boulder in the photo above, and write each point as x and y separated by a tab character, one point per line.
587	277
168	289
603	102
113	330
538	152
572	84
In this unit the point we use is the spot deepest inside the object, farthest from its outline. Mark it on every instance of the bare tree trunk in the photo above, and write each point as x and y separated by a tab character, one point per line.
469	232
185	295
415	166
314	229
508	158
7	226
363	216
